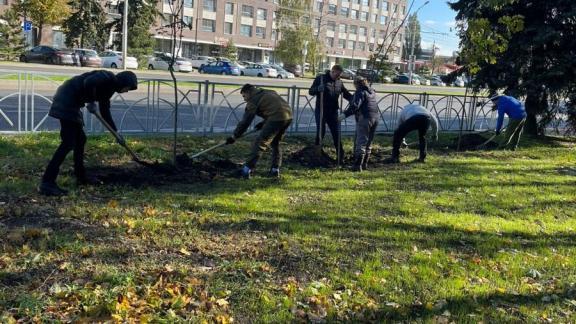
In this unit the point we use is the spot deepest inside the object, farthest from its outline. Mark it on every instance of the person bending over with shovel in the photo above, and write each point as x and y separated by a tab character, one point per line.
277	117
365	107
413	117
510	106
327	88
88	88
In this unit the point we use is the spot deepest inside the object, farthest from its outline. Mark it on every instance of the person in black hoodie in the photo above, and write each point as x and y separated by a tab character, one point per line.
365	107
332	87
88	88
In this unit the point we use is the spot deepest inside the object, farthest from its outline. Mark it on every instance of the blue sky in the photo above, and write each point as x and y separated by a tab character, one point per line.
437	17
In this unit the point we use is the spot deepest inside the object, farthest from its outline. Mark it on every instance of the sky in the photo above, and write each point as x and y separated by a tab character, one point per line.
437	23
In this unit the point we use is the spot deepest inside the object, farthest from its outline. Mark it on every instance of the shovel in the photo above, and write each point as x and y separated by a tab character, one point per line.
219	145
135	157
483	145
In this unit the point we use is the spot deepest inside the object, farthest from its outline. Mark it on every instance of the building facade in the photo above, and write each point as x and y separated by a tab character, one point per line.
350	30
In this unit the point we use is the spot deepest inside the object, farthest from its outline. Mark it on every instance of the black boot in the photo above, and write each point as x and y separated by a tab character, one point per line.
357	166
51	189
365	161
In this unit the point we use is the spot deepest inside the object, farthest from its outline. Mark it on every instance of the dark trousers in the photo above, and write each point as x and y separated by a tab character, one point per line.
365	130
72	138
271	134
418	122
331	120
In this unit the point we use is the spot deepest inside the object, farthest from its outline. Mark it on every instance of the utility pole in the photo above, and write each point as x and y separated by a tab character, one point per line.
197	5
411	58
125	35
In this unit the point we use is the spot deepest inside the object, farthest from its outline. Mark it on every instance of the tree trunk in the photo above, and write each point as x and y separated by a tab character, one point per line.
38	40
535	104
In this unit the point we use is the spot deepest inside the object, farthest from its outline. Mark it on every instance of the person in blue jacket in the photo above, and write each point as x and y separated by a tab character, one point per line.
514	109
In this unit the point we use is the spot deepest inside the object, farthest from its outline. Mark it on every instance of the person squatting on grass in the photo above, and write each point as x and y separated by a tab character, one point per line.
330	85
87	88
516	112
277	117
413	117
365	108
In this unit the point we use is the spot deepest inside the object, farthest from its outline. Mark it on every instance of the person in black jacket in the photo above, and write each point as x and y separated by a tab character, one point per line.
88	88
332	87
365	106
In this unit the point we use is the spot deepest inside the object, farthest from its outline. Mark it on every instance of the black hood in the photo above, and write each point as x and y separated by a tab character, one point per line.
126	79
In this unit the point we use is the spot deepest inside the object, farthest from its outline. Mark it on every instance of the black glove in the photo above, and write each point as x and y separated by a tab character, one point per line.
230	140
320	88
91	106
259	125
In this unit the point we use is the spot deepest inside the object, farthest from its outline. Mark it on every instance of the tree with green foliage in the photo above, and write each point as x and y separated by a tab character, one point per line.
230	51
141	15
412	37
525	48
86	26
42	13
294	29
12	42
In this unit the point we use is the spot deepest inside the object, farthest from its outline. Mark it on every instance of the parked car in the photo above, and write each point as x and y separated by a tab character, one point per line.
161	61
113	59
296	69
88	57
421	79
199	60
348	74
370	75
260	71
436	81
50	55
220	67
405	79
282	74
459	82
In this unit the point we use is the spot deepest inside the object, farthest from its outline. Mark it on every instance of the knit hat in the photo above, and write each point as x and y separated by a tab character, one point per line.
127	79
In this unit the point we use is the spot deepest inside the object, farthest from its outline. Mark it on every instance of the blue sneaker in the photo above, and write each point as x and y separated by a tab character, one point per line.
246	172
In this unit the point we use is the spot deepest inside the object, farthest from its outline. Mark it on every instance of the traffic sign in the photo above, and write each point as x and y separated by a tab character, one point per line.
27	26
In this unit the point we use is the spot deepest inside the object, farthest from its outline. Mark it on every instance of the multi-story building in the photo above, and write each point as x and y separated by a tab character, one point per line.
350	30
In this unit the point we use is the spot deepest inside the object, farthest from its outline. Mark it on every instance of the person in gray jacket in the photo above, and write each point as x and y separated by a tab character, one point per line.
365	107
413	117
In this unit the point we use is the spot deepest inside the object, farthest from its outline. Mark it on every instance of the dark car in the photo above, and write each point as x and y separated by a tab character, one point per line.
370	75
402	79
296	69
348	74
220	67
88	57
50	55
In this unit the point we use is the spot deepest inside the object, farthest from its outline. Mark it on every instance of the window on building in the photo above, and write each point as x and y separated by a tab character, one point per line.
187	20
209	5
352	29
341	43
246	30
351	44
382	20
228	28
375	4
316	24
342	28
356	1
385	5
382	34
344	12
332	9
364	16
188	3
373	32
319	6
261	32
361	46
331	26
329	41
403	10
247	11
362	31
261	14
365	2
374	18
394	8
274	35
229	9
209	25
354	14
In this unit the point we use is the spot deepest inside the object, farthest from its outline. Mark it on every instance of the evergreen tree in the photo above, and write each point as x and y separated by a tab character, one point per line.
230	51
12	42
86	26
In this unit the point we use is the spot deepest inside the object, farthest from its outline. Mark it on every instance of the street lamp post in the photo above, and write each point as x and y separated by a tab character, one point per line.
411	57
125	35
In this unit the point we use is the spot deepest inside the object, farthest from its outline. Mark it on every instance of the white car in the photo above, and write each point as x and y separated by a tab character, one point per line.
113	59
436	81
161	61
260	71
282	74
201	60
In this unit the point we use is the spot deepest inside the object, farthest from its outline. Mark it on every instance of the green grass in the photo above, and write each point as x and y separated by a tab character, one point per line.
467	237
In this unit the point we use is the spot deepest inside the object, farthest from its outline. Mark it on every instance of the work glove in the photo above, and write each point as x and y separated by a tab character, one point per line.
91	106
320	88
341	117
259	125
230	140
120	140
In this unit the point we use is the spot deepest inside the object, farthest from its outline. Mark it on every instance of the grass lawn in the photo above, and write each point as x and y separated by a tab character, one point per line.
479	236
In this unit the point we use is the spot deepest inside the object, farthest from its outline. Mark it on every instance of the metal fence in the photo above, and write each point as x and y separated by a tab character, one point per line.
212	107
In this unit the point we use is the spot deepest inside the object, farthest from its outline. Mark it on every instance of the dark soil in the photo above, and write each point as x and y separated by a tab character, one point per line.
471	142
311	156
186	171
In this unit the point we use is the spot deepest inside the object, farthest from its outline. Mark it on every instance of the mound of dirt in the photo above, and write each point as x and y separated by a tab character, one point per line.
471	142
311	156
187	171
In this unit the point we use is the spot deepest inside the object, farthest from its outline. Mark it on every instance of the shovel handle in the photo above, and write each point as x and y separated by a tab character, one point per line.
115	134
220	145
